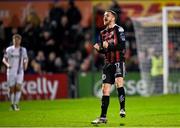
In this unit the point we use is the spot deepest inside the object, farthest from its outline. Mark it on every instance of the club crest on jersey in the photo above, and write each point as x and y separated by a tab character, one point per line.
103	77
120	29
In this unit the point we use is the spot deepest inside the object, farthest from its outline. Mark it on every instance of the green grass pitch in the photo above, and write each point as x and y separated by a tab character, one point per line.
155	111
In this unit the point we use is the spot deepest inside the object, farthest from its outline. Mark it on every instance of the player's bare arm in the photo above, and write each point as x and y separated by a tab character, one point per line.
105	44
6	62
97	47
25	64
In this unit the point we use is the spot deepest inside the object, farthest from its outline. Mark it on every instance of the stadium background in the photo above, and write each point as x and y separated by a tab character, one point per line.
59	36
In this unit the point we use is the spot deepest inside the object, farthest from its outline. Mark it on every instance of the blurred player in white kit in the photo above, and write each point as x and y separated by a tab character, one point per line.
16	61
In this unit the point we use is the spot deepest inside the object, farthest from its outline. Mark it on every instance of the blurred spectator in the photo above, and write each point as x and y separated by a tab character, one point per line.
157	73
50	63
130	34
73	14
47	25
30	15
99	13
72	73
116	8
2	37
177	60
33	19
30	34
28	8
2	68
71	64
47	42
76	37
34	67
9	31
62	31
86	52
131	52
55	13
85	66
30	27
2	34
59	65
40	59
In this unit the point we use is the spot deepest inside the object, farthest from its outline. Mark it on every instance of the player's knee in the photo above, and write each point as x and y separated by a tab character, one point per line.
106	90
119	82
18	87
12	89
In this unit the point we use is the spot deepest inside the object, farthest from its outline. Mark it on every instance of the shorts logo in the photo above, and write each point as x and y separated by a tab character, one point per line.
121	98
118	70
103	77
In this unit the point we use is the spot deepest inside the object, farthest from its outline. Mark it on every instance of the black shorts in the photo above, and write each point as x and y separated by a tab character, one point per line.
111	71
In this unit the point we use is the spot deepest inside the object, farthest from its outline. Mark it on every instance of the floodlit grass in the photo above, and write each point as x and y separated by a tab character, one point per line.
155	111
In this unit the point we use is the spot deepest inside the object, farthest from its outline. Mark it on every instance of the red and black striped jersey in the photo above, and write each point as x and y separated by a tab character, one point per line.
116	39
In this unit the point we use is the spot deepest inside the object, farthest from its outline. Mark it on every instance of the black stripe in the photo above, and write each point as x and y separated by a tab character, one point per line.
120	45
20	58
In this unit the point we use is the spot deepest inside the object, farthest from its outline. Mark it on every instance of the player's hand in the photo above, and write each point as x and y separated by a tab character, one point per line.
105	44
25	64
96	46
8	66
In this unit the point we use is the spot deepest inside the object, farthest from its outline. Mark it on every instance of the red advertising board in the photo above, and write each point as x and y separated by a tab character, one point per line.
48	86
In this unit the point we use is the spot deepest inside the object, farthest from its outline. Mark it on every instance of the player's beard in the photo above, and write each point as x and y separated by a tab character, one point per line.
106	22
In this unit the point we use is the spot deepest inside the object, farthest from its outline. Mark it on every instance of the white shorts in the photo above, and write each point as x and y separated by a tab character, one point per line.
12	79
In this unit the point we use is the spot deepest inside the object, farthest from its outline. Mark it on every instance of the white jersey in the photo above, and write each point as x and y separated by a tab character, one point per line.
16	58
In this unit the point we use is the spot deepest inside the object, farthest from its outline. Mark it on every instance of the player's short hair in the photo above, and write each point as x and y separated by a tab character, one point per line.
17	36
112	12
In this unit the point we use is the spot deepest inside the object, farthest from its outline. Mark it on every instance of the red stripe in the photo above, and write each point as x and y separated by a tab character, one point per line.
112	57
106	58
109	57
115	38
117	56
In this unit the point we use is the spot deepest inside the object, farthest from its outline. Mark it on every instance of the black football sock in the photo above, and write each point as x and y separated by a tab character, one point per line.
104	105
121	97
